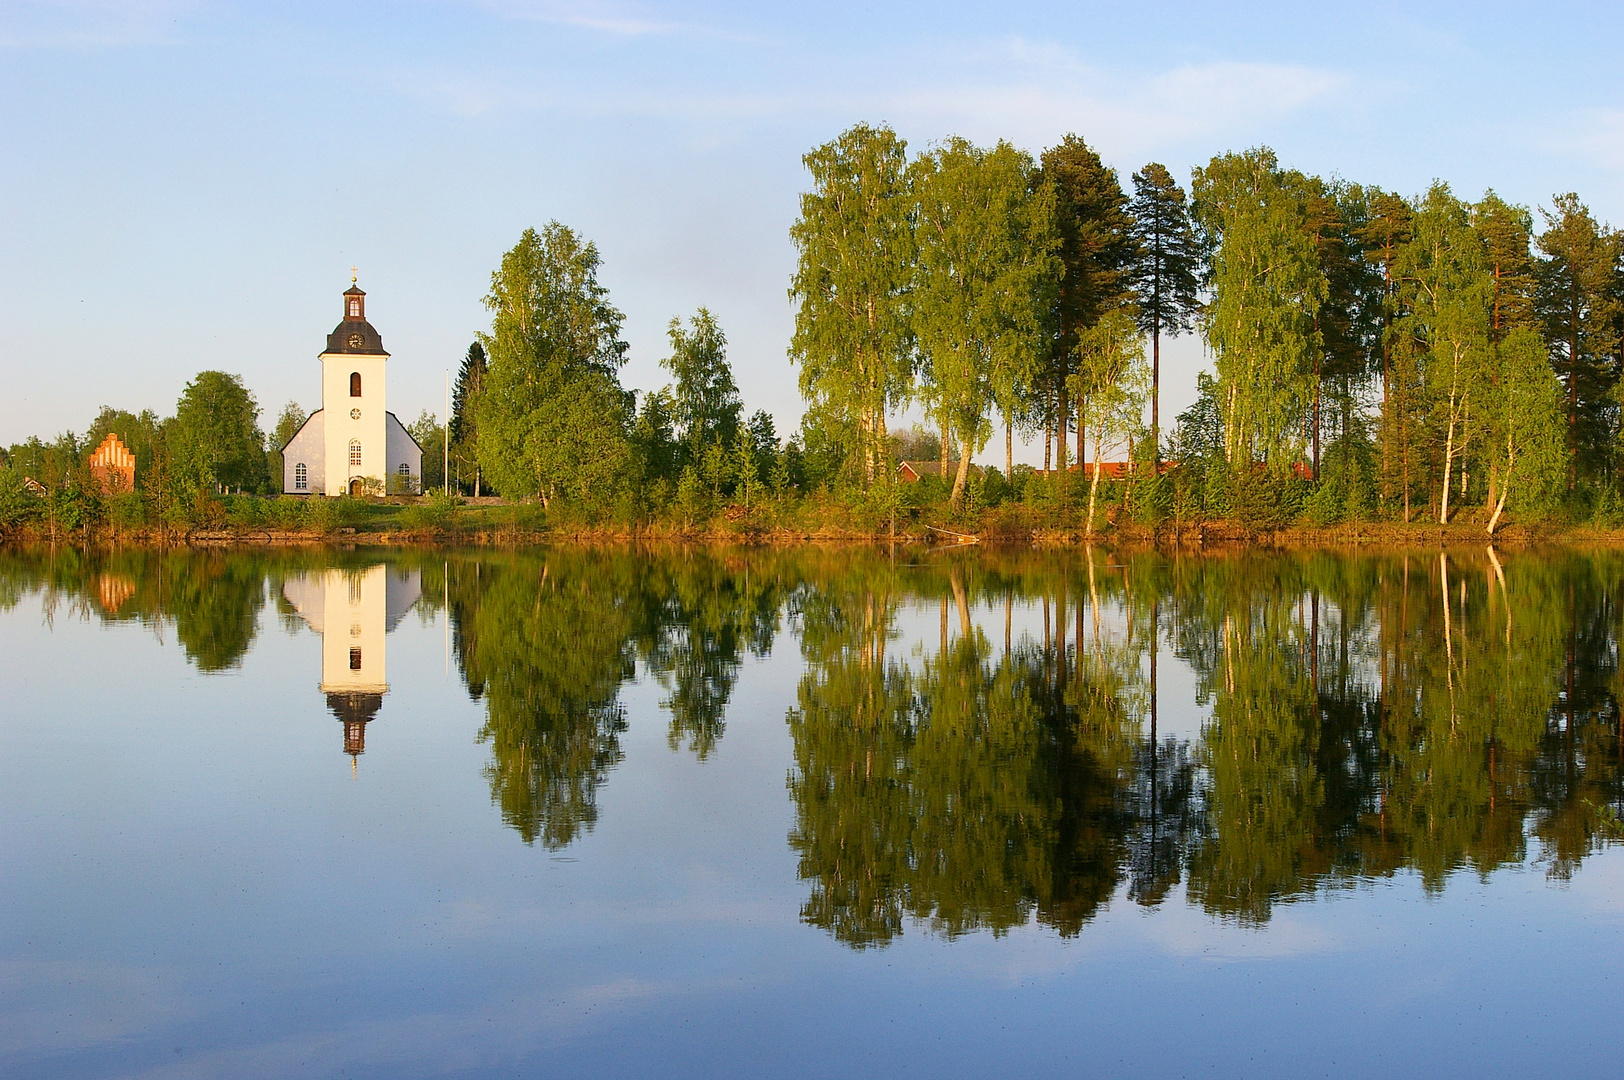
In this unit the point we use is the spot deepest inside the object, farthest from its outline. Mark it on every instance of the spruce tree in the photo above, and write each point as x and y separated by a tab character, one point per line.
465	408
1163	273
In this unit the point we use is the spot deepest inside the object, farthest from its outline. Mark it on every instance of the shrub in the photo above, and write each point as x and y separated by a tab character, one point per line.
246	511
127	510
290	513
432	512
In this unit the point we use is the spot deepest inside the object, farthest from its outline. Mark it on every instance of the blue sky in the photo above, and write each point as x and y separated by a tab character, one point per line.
185	185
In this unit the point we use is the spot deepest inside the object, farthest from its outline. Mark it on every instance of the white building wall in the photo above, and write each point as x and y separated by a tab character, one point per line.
308	447
404	451
354	418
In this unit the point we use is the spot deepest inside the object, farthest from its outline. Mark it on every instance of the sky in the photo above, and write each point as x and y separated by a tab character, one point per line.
185	185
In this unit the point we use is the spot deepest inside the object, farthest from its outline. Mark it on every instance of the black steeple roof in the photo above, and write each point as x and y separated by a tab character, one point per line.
355	334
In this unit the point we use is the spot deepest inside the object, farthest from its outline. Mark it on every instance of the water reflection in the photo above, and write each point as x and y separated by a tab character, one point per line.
1360	716
353	610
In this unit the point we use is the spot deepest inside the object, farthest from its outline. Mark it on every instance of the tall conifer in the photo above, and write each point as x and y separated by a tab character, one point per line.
1575	301
1096	252
1163	272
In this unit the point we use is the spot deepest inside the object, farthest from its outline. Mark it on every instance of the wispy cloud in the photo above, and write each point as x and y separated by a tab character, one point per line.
1030	93
588	15
89	24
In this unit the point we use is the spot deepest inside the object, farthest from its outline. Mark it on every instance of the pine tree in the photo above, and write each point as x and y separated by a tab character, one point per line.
1096	252
1163	273
1507	232
1386	229
1576	304
1348	323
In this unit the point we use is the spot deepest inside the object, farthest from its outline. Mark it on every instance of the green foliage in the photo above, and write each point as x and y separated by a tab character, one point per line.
430	513
704	400
466	395
554	419
1267	285
983	287
654	436
855	245
1578	302
430	438
693	500
214	441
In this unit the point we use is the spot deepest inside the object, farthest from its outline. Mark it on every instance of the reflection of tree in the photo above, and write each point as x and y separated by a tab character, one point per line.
968	793
550	642
215	600
919	795
706	611
1369	714
212	599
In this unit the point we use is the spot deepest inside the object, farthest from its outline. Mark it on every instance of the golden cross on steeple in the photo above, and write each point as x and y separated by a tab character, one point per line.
352	275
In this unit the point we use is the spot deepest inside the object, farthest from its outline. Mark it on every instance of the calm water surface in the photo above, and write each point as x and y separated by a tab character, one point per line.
811	813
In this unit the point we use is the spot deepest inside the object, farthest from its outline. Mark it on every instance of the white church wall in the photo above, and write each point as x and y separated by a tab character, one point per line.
308	448
404	452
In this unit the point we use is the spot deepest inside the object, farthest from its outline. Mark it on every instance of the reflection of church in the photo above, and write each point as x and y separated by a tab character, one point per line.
353	610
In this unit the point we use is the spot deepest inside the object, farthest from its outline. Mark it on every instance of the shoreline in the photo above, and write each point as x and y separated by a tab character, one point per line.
1203	536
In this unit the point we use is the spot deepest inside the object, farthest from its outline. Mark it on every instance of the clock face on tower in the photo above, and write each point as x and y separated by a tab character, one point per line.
356	341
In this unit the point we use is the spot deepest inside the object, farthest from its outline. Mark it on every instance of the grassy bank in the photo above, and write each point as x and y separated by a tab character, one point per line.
821	517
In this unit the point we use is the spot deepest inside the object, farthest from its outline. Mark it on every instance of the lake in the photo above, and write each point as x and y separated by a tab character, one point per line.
812	812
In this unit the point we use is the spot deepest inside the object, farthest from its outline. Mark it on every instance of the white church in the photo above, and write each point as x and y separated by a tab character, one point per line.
352	443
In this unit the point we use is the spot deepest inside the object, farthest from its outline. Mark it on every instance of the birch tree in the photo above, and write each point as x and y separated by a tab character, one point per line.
985	258
1445	275
1527	450
1266	286
1110	386
855	242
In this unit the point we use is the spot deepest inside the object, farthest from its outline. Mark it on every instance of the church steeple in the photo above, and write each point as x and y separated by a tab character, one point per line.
354	334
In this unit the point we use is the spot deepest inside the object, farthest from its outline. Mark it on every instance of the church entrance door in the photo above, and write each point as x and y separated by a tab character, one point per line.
356	487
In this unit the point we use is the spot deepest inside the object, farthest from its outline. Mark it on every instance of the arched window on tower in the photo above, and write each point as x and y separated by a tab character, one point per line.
355	307
301	477
355	452
355	384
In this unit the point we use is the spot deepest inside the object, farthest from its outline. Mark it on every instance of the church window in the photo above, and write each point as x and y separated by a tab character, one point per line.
355	451
355	384
355	659
403	470
355	307
301	477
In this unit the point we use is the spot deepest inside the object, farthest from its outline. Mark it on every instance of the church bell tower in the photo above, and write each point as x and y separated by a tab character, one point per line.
352	394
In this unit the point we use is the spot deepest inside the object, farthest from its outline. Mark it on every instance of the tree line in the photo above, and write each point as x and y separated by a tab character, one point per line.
211	446
1375	357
